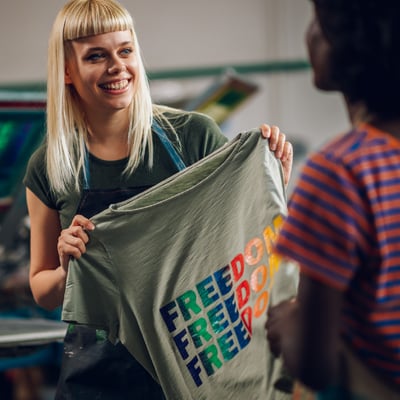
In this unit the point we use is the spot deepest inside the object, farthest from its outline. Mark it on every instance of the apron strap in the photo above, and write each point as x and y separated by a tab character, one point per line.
175	157
86	171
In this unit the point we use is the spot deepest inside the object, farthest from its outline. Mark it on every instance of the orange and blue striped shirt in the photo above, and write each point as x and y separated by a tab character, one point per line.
343	228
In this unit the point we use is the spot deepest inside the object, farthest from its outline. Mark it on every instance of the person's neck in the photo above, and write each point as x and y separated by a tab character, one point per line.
108	136
358	113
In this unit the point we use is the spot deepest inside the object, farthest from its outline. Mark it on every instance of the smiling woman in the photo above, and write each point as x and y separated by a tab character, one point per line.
105	142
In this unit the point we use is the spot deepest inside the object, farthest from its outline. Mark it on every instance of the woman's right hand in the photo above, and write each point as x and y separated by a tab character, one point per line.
72	240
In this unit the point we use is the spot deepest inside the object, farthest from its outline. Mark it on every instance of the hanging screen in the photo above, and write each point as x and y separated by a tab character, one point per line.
20	134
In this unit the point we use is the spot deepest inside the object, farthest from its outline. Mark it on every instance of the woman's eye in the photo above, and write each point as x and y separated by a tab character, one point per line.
127	51
95	56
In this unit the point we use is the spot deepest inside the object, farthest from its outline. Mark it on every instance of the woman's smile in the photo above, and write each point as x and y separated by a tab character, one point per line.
115	86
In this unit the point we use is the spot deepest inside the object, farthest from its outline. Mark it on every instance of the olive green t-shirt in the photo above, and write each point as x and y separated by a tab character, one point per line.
187	292
196	136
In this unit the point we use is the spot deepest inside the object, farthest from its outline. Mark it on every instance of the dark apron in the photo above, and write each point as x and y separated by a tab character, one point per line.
92	367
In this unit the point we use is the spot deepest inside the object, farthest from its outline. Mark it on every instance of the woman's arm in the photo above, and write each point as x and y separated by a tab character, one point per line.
46	276
51	247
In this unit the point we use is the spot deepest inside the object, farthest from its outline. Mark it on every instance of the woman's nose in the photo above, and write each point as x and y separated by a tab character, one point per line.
116	66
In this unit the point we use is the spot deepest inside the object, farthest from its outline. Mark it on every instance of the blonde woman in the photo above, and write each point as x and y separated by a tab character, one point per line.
105	142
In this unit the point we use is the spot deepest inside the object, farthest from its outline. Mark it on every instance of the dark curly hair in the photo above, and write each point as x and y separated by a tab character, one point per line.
365	40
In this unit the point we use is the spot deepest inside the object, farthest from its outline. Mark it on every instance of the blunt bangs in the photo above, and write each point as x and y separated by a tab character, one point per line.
87	18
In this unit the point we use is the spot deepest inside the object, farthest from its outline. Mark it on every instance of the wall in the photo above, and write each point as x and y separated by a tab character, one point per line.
174	33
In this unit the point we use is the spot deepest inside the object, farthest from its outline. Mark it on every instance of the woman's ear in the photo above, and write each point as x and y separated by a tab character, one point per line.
67	76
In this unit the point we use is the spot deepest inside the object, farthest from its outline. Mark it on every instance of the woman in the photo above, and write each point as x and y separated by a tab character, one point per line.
341	337
106	142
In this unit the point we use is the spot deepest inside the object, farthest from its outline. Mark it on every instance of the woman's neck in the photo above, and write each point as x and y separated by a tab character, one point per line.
108	136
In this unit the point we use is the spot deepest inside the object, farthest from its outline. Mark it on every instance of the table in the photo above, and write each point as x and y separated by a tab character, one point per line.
30	341
30	331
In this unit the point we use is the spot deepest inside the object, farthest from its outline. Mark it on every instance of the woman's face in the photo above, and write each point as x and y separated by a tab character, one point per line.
319	52
102	68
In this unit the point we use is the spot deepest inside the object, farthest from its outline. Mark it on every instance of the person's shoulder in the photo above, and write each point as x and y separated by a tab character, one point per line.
38	157
181	118
199	134
201	124
194	126
36	178
199	118
352	144
341	156
340	145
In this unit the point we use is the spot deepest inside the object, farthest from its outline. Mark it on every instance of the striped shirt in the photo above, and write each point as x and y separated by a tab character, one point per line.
344	230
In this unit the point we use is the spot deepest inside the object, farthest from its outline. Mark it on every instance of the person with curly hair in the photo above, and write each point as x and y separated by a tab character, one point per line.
341	336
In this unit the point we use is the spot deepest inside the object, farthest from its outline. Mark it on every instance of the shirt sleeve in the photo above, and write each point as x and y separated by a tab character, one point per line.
326	223
36	180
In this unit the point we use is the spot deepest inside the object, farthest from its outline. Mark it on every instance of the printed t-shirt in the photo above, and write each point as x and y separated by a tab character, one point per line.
343	228
182	274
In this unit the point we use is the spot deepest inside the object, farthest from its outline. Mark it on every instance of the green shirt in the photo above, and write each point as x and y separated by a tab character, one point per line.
187	292
197	135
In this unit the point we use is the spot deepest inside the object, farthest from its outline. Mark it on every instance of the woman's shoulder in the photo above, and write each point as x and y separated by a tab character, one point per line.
193	124
181	118
199	118
198	133
38	158
36	178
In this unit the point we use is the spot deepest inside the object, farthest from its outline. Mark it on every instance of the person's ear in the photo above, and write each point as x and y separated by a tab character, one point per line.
67	76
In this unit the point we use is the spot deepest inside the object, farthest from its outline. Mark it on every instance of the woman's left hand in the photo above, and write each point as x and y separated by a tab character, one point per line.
283	150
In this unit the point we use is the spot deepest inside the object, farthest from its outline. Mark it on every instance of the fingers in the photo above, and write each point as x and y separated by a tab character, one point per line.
265	131
287	152
72	241
274	343
287	161
276	325
85	223
283	150
277	139
273	336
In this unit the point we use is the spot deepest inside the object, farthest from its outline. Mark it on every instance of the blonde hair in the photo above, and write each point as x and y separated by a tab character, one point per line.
66	130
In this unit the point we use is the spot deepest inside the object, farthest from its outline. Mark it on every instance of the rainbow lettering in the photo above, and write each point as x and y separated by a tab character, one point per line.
212	322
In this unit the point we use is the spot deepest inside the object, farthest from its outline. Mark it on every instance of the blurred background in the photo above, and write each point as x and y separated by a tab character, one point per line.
244	63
